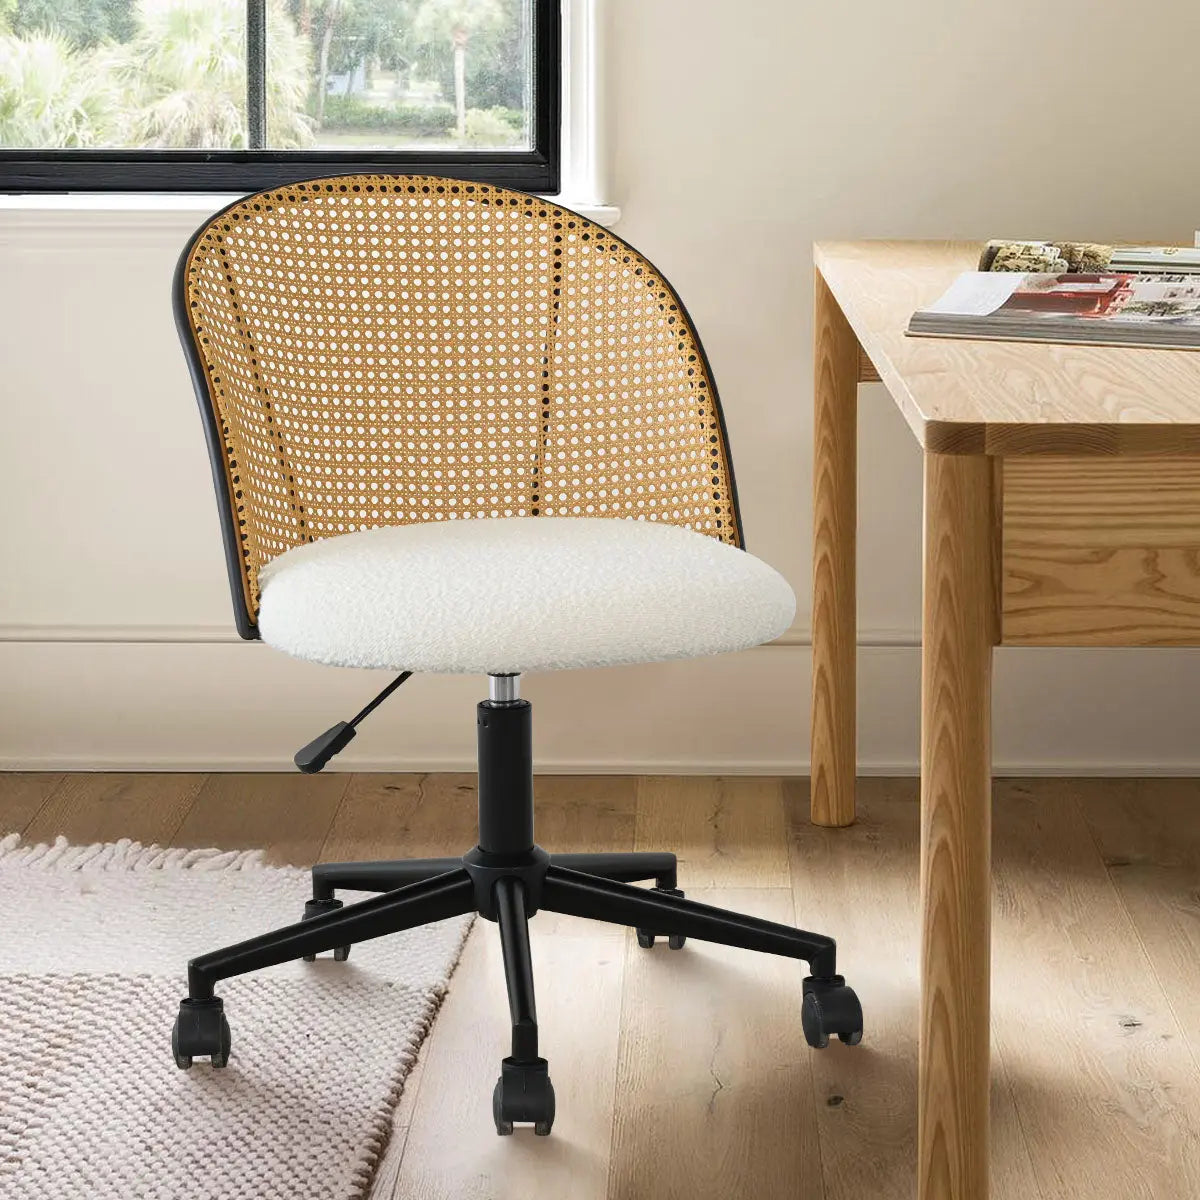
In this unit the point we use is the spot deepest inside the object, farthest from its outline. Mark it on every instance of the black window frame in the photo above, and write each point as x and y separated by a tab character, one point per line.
536	169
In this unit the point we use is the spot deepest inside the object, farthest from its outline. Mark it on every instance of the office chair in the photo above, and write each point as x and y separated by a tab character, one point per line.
457	428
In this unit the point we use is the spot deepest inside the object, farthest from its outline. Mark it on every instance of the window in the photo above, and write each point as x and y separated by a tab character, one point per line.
236	95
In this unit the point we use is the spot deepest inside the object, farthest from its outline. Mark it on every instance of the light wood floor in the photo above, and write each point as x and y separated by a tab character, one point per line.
685	1074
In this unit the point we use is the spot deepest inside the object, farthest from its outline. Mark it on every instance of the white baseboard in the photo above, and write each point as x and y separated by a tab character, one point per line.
228	707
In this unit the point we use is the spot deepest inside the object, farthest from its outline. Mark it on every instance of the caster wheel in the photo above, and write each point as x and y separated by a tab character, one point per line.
201	1029
503	1127
830	1007
523	1093
318	908
675	940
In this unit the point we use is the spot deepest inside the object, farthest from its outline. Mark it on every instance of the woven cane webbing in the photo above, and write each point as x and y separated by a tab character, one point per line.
387	349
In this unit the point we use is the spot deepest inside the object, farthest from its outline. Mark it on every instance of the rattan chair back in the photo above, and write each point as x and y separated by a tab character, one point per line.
378	350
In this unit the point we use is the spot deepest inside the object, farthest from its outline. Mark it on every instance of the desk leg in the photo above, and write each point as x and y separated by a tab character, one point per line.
959	632
835	454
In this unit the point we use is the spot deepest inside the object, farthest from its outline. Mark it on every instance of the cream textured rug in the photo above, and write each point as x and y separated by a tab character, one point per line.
92	959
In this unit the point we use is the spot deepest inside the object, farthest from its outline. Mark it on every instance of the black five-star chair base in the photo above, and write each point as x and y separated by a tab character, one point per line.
507	879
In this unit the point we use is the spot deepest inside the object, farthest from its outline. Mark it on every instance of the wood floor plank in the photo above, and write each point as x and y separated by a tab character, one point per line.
423	816
452	1151
22	794
1148	833
387	1175
288	815
727	832
1142	823
715	1091
105	806
403	816
1108	1097
860	885
586	814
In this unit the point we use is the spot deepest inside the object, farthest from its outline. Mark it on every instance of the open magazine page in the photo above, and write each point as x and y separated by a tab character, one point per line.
980	292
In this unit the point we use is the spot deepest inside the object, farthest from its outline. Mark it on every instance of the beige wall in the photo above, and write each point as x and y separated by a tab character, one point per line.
740	132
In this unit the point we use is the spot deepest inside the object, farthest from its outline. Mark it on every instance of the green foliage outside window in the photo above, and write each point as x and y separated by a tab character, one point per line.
172	73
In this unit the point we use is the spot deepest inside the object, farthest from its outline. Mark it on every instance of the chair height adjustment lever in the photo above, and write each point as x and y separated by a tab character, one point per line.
313	757
321	749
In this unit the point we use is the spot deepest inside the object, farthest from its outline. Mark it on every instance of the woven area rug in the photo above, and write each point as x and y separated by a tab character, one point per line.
92	964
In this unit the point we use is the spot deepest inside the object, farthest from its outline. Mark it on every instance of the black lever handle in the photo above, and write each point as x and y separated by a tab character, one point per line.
321	749
313	757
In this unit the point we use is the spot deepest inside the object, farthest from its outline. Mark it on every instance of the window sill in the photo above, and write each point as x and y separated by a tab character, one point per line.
177	211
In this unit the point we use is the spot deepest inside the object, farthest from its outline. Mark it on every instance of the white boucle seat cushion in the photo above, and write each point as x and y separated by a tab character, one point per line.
508	594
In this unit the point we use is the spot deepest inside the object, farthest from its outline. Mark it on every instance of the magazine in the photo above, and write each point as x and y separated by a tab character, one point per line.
1002	254
1109	309
1155	259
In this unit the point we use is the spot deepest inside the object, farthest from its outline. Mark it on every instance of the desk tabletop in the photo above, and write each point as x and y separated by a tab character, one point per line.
976	397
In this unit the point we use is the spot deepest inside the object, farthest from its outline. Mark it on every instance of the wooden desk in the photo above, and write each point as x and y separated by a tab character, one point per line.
1062	508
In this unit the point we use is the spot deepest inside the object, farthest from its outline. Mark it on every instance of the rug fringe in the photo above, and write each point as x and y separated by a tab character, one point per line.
123	855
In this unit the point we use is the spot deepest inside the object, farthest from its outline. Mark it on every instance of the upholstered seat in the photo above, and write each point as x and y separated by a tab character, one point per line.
515	594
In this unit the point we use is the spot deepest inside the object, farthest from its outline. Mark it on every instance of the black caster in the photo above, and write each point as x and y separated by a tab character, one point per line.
318	908
201	1028
523	1093
674	940
830	1007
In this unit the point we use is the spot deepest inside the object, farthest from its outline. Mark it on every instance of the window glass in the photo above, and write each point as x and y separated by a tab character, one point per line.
340	75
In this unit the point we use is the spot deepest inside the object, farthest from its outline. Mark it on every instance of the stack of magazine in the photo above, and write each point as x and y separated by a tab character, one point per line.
1147	296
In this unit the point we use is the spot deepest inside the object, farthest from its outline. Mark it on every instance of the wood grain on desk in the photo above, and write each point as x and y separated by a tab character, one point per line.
1101	551
1004	398
837	365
